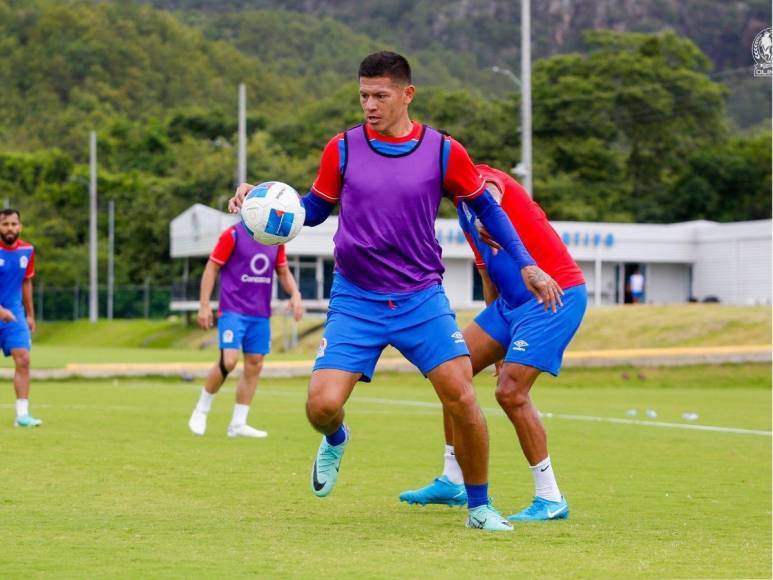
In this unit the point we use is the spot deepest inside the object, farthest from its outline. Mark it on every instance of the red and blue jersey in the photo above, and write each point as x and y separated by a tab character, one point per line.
536	233
17	264
460	178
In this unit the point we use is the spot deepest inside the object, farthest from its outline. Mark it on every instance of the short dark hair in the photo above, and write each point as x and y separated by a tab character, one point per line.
386	64
10	211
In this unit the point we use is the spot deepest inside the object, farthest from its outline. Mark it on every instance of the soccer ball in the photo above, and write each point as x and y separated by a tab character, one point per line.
273	213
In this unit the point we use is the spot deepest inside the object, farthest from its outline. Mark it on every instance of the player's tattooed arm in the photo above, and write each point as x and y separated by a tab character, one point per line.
544	288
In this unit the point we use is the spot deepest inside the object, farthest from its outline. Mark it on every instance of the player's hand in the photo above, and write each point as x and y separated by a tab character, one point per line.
486	238
544	288
235	203
6	315
31	323
205	318
295	307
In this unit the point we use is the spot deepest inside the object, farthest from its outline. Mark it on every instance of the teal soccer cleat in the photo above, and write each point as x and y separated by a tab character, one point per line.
27	421
440	491
542	510
485	517
324	472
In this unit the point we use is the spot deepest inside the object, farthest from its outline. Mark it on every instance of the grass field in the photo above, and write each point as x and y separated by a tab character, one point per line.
113	485
136	341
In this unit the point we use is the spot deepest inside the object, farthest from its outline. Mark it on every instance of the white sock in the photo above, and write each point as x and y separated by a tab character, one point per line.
545	485
22	407
240	414
205	401
451	467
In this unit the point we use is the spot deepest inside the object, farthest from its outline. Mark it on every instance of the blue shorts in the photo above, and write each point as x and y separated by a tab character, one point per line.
252	334
361	324
533	337
15	334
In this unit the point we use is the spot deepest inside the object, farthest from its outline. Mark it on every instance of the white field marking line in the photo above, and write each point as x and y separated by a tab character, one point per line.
661	424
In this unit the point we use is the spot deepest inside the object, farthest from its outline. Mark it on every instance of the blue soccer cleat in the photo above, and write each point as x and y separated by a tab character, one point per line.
440	491
485	517
27	421
324	472
542	510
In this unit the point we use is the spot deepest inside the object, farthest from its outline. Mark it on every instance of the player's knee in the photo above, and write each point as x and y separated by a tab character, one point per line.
253	365
229	361
462	402
22	360
321	409
511	394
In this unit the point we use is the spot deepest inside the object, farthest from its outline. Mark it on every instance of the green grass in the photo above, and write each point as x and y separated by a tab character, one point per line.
113	485
58	343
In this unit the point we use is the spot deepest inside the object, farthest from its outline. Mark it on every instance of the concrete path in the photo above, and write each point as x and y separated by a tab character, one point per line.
640	357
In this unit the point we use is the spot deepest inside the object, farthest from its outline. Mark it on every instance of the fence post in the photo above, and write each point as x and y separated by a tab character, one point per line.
146	297
76	294
40	302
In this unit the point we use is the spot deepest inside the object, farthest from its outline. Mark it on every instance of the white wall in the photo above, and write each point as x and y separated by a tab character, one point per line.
667	283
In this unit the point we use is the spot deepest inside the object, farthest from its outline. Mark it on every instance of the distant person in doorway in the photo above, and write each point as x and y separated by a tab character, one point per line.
636	284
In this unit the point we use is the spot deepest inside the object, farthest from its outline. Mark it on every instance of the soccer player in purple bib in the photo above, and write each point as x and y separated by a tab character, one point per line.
17	317
246	271
389	176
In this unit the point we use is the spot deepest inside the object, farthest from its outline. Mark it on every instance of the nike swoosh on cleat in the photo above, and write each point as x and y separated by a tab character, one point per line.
551	515
317	485
478	523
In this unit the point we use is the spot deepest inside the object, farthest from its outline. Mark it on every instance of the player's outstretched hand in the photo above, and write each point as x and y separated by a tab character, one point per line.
205	318
486	238
544	288
295	307
6	315
235	203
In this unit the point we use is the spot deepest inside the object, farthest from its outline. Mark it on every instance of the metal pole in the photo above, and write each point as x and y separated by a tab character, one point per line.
242	174
40	302
93	296
110	257
526	93
146	298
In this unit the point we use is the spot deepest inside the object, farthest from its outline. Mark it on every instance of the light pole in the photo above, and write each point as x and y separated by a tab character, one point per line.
524	168
93	296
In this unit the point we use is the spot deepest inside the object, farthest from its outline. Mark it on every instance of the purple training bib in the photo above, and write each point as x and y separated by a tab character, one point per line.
246	279
386	227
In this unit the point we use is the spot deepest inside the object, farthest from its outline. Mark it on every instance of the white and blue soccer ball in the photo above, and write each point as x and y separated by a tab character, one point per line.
273	213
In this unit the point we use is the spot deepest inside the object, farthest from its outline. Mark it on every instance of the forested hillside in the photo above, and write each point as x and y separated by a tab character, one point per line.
631	127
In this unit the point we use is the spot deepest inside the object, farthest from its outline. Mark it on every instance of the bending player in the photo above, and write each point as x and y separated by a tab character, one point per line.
514	326
246	271
389	175
17	316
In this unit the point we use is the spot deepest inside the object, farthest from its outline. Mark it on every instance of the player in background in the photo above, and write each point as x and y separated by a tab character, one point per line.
389	175
246	271
17	316
516	328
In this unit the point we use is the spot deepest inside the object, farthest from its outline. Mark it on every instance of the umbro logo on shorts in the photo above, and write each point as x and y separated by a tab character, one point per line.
458	336
520	345
322	347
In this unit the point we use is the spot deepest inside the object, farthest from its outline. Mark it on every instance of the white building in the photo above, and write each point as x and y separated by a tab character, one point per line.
700	259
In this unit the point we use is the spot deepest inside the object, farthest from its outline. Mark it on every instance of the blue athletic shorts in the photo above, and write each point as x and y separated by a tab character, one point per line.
361	324
15	334
252	334
532	336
